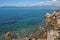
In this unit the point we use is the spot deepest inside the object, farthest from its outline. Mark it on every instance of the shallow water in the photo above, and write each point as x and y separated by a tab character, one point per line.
21	20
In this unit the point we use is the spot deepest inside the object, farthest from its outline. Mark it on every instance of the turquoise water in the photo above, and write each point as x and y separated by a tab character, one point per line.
21	20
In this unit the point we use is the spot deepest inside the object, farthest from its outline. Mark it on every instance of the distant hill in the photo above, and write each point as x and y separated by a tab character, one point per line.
34	7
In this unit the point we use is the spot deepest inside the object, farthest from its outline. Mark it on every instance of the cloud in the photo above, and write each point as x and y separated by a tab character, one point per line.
30	4
53	3
47	3
53	0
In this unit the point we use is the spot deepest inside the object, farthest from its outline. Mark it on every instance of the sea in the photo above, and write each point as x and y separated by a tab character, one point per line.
22	20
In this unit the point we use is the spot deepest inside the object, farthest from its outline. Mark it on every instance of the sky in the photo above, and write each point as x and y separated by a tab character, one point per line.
29	2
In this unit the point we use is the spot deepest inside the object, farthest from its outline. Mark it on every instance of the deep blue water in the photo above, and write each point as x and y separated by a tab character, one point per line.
21	20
